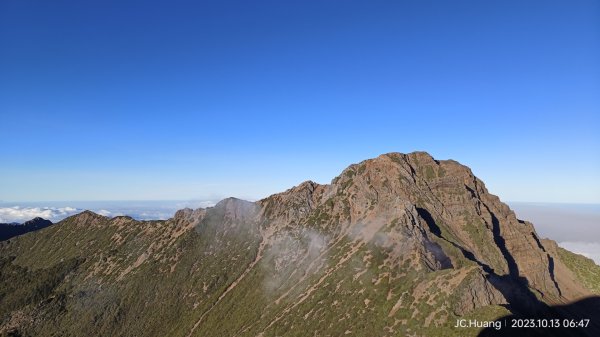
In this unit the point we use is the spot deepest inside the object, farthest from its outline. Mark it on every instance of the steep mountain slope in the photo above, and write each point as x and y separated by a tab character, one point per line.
397	245
10	230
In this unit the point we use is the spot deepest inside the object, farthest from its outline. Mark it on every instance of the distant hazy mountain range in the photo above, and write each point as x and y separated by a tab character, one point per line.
398	245
58	210
9	230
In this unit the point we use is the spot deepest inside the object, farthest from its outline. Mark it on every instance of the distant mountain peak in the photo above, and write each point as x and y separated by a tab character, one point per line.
11	230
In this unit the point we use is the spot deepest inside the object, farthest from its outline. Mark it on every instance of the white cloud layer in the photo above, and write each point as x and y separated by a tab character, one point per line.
54	211
105	212
587	249
22	214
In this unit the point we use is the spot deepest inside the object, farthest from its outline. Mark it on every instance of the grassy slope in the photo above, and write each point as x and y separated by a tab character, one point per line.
585	269
90	298
86	295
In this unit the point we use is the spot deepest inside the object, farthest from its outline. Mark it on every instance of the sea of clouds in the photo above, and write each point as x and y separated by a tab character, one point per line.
22	214
575	227
56	211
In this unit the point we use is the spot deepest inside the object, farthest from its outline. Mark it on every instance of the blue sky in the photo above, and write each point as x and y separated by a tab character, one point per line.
148	100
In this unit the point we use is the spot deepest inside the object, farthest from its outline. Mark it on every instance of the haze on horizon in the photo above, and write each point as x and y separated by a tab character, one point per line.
157	101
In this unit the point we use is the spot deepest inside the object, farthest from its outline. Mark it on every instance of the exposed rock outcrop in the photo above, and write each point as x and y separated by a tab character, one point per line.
401	244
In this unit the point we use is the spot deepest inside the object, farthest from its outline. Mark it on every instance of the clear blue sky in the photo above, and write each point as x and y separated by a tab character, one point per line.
118	100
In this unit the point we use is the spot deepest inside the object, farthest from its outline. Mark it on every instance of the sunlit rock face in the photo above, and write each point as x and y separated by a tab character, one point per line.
401	244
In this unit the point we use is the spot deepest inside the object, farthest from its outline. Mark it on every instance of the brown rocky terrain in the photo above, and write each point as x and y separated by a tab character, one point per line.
401	244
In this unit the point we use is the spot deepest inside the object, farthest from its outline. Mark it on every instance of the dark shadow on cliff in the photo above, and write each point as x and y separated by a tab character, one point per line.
513	287
522	302
433	247
513	269
435	230
574	313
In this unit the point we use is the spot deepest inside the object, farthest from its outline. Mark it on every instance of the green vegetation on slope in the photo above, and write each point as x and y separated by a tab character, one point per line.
586	271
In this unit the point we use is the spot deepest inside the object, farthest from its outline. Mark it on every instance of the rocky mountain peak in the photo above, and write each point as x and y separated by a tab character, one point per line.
235	209
404	242
86	217
441	198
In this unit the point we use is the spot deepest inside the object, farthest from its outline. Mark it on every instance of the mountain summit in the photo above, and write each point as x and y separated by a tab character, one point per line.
398	245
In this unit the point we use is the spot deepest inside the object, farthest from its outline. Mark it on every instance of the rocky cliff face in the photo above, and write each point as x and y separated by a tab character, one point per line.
395	245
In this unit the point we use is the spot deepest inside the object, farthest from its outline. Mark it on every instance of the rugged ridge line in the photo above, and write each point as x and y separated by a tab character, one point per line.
396	245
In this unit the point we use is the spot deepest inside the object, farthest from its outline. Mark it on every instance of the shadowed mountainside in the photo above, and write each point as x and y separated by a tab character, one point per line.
10	230
395	245
571	321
